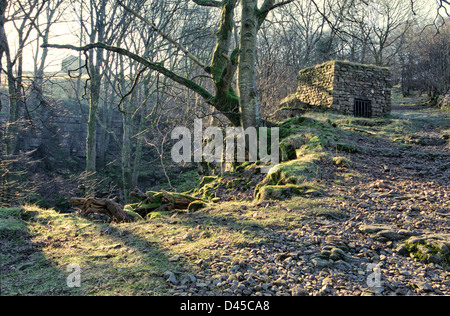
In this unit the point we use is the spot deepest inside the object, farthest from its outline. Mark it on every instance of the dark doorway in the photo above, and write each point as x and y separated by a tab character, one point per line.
362	108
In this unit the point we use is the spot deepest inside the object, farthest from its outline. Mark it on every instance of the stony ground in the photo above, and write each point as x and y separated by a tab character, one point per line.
395	194
381	227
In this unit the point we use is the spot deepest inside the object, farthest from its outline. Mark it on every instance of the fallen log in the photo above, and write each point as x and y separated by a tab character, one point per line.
152	201
103	206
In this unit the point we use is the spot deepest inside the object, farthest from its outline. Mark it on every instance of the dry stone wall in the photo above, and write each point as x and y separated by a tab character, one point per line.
316	85
335	85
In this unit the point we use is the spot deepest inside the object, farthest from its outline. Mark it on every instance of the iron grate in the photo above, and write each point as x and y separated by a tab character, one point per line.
362	108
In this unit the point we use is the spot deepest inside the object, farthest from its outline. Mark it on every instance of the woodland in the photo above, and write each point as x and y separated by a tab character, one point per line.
91	90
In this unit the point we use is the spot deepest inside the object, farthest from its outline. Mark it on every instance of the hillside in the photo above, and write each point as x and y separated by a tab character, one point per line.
357	207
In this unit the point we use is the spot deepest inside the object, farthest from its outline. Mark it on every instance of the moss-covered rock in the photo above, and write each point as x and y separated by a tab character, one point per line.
341	161
234	183
243	166
289	177
208	191
294	171
289	146
282	192
432	248
294	125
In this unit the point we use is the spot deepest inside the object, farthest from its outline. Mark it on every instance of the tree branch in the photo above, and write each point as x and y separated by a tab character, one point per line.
208	97
208	3
135	82
164	35
268	6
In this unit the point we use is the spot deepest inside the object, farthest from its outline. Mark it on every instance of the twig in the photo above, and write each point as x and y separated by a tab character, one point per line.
135	82
164	35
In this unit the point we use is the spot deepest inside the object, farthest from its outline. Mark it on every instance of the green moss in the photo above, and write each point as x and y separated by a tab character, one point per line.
291	125
288	152
346	148
186	181
243	166
154	215
206	180
196	205
12	227
341	161
316	143
312	135
207	192
288	147
282	192
130	207
305	144
132	213
294	171
433	249
234	183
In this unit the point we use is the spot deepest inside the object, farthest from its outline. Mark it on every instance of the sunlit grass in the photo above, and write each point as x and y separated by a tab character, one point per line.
130	258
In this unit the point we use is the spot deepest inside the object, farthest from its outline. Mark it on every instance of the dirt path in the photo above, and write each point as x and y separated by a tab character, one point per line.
394	192
402	191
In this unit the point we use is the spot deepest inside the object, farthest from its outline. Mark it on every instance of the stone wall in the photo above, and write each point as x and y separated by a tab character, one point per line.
315	86
358	81
335	85
59	136
66	134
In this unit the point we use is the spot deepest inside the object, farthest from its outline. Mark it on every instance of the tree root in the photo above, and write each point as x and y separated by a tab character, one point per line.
103	206
151	201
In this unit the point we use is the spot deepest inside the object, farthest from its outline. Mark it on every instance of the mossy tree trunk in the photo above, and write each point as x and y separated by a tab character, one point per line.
224	65
248	97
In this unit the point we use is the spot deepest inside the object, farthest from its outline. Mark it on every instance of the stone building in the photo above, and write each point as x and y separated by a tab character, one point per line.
345	87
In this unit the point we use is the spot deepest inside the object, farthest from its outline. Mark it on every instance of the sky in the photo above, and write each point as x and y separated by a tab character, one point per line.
61	33
65	32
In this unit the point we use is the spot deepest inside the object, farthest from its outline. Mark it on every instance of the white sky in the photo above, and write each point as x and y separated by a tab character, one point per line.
60	33
66	32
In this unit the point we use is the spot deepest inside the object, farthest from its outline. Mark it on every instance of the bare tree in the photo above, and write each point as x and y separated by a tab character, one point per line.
288	42
22	15
426	61
224	61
